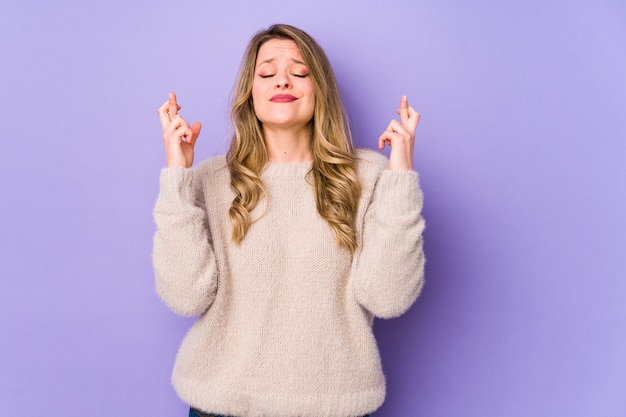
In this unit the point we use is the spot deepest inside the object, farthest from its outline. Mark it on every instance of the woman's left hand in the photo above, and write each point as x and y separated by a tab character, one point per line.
400	135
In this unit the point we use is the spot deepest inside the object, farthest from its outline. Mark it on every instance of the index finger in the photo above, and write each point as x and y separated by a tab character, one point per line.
172	107
404	109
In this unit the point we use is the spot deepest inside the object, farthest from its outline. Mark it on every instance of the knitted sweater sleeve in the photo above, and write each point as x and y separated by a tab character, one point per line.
389	273
183	256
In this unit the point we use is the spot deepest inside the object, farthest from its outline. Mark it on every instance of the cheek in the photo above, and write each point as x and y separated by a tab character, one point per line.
312	101
256	97
309	91
311	107
255	91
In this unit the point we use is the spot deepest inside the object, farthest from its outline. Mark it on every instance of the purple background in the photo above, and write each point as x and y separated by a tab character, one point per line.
521	150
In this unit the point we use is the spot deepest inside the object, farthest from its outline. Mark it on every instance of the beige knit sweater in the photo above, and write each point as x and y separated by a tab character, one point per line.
285	318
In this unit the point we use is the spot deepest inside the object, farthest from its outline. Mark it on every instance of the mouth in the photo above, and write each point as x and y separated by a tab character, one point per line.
283	98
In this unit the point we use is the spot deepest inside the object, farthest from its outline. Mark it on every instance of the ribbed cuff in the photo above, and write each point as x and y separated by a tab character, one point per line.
399	191
176	185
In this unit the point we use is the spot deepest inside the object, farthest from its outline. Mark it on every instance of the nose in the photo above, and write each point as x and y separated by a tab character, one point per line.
282	81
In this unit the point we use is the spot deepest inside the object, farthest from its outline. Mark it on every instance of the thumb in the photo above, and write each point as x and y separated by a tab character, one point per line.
195	132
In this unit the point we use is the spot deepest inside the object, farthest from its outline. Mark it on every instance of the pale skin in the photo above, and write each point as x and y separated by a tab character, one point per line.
179	137
284	101
286	125
400	135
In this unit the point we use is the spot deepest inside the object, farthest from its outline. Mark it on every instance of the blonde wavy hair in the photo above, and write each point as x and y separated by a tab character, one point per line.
333	170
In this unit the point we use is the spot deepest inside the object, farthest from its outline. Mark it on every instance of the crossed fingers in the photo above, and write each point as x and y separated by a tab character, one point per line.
173	125
402	130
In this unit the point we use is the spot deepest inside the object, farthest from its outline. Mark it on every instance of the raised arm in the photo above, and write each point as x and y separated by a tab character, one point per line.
183	257
389	270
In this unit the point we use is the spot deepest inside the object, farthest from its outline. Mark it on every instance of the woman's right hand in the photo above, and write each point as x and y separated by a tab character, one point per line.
178	137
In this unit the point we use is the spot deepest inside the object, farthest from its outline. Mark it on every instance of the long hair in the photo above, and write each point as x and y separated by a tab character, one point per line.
333	171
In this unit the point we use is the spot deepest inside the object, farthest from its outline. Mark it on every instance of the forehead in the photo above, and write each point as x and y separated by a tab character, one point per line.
278	49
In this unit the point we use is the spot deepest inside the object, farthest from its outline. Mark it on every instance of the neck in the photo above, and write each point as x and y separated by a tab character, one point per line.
288	146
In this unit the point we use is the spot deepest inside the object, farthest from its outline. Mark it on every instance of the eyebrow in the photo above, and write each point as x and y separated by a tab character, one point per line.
267	61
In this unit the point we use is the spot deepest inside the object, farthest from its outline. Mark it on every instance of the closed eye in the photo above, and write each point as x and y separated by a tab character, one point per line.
300	75
266	76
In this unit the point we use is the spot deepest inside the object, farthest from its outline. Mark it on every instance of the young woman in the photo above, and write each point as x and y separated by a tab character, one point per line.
288	245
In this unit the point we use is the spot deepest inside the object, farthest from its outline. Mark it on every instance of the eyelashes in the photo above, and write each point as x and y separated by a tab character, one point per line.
295	75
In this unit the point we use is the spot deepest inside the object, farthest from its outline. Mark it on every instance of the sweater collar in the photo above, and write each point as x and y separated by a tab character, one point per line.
286	170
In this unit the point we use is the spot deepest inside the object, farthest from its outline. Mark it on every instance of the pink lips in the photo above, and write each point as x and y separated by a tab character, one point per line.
283	98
